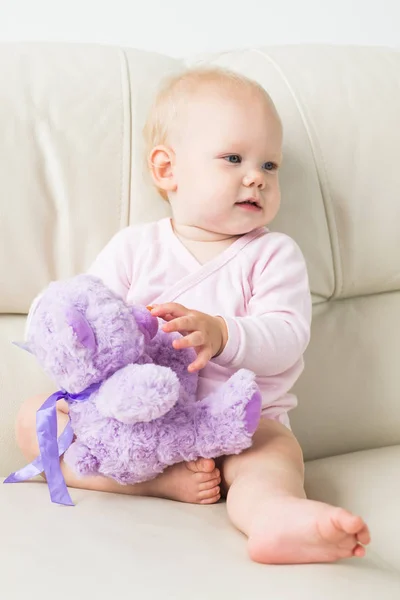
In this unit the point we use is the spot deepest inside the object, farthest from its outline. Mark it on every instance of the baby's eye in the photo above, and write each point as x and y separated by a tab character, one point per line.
233	158
270	166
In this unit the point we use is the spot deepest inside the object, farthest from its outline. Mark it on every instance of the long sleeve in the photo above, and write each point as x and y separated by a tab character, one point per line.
276	332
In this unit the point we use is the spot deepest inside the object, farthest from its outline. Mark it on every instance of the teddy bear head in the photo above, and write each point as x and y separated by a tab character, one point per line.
81	332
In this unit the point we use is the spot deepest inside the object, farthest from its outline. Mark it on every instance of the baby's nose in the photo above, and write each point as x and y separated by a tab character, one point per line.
255	178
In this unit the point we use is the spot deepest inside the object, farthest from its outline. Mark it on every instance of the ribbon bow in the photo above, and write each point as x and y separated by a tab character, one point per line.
51	448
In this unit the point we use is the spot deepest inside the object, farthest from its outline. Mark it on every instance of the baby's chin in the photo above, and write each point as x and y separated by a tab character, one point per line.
244	226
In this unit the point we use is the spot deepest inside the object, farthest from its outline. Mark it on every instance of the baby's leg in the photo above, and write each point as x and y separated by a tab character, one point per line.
267	502
196	482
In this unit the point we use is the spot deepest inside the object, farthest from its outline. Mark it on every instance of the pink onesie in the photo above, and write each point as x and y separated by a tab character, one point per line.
259	285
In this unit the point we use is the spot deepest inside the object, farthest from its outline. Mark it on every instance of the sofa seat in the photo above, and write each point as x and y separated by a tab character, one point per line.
113	546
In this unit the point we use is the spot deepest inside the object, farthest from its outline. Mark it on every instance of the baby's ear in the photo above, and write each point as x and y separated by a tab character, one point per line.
161	162
81	328
147	324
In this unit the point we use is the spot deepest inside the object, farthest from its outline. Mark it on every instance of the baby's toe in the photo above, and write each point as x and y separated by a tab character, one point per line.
201	465
359	551
215	474
346	545
207	465
364	536
345	521
211	493
209	496
207	478
211	500
208	485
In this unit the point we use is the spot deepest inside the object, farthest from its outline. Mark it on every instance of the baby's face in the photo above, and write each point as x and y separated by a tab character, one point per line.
227	154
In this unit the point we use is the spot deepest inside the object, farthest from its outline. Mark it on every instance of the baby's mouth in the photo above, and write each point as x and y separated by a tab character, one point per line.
250	204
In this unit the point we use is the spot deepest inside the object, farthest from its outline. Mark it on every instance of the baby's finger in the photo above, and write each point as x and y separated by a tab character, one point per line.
202	359
181	324
170	308
192	340
168	318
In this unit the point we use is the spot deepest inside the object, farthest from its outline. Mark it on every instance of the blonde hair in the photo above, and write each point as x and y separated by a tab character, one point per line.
175	91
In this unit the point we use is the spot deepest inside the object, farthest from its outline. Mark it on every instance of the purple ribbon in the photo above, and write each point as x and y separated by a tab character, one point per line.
51	448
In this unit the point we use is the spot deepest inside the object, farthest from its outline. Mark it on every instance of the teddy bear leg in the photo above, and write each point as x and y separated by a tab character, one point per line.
81	460
227	419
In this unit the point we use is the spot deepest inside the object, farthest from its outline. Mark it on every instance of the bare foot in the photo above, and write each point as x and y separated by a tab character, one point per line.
294	530
196	482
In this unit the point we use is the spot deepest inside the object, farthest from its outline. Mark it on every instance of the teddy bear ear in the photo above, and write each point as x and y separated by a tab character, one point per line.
147	324
81	328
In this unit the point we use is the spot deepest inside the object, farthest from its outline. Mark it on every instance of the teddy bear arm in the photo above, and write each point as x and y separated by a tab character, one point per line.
138	393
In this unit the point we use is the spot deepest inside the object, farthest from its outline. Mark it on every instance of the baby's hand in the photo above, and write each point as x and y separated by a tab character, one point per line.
206	334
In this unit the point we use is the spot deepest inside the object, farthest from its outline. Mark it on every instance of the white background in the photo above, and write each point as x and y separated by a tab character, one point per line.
182	27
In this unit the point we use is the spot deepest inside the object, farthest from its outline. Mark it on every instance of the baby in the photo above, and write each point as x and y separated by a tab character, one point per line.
239	294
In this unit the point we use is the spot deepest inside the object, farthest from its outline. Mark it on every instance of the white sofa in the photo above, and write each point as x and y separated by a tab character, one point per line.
71	174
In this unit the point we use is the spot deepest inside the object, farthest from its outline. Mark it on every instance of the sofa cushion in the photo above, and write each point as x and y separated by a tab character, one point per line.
114	546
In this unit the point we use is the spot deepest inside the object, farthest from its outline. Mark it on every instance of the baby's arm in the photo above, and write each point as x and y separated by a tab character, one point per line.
275	334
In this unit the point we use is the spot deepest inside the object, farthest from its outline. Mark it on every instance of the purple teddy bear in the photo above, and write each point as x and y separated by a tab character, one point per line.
143	415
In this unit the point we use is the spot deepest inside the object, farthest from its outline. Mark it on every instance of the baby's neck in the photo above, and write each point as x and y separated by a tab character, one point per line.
204	245
196	234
